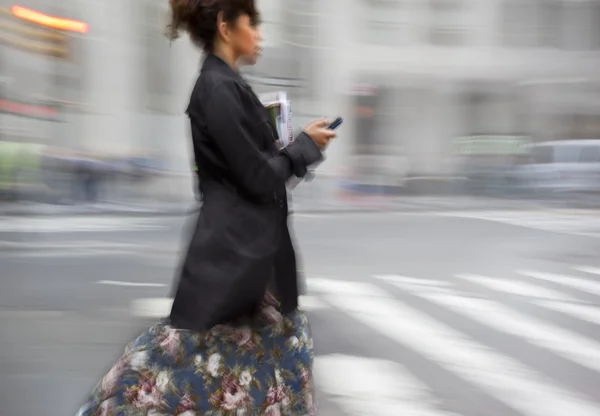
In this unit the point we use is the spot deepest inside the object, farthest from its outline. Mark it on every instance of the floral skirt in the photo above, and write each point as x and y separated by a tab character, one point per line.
259	366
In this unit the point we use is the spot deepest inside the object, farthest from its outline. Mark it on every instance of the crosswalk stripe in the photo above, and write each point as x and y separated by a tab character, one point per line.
584	312
417	281
157	308
584	285
311	303
367	387
567	344
589	270
518	386
326	285
516	287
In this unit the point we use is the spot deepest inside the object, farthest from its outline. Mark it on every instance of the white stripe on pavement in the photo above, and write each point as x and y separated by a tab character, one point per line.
507	380
584	312
72	253
567	344
584	285
589	270
152	307
516	287
157	308
326	285
415	280
367	387
80	224
130	284
311	303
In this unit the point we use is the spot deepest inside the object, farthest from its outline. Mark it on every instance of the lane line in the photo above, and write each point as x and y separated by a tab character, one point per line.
129	284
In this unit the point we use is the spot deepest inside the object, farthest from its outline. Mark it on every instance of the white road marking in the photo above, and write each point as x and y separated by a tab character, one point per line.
367	387
161	307
130	284
585	285
152	307
82	252
79	224
325	285
516	287
589	270
584	312
311	303
567	344
414	280
507	380
540	220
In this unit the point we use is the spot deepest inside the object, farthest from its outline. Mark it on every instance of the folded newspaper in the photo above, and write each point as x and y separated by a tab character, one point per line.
280	109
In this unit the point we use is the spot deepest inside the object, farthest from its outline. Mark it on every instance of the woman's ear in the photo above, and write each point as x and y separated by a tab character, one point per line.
222	27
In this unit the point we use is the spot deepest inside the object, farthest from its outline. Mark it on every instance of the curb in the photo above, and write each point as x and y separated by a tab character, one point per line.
113	212
404	206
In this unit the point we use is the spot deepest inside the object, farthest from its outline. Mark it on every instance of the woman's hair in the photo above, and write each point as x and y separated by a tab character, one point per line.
199	18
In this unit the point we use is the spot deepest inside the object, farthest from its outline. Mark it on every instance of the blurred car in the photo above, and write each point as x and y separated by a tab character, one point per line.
562	166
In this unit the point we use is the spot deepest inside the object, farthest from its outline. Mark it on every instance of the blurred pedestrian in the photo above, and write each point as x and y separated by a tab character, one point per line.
235	342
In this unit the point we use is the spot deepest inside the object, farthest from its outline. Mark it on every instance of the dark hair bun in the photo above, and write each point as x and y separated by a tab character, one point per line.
199	18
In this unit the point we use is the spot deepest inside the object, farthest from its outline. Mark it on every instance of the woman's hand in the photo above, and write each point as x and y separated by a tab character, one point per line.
319	133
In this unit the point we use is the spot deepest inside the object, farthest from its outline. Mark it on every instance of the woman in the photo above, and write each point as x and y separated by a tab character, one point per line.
235	342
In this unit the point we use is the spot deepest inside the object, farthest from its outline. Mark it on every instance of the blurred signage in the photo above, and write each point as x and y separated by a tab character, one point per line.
363	90
36	33
493	145
365	103
49	21
29	110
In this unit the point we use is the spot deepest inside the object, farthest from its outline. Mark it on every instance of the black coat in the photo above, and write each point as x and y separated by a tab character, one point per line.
241	243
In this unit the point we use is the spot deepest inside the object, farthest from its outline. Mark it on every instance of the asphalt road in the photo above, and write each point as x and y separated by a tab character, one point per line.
468	313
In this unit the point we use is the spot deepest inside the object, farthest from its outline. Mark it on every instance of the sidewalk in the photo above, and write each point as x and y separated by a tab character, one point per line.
321	195
304	204
143	209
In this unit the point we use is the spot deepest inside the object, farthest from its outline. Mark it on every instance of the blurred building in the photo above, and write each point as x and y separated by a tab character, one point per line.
408	76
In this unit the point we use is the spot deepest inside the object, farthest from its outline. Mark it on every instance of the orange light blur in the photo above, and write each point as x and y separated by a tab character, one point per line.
49	21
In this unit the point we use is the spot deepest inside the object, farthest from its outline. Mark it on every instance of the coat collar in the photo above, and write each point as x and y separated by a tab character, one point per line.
214	63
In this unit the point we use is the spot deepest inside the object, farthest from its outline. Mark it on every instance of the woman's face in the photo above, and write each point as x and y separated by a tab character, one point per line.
245	38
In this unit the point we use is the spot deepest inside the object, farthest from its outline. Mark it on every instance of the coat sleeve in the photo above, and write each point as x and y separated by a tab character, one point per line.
257	173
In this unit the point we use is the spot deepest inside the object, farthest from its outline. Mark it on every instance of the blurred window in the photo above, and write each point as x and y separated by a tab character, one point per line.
550	23
589	154
158	87
382	23
595	25
567	153
447	26
272	22
542	154
581	29
300	18
518	23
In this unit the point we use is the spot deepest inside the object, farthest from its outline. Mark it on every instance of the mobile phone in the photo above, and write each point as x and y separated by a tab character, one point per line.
336	123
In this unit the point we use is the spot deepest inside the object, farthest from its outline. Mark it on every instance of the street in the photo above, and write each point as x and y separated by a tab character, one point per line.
437	313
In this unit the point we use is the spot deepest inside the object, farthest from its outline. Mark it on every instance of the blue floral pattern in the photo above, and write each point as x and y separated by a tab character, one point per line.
259	366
